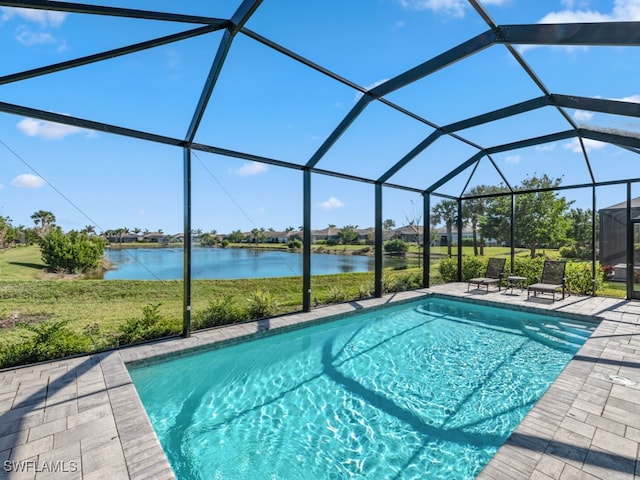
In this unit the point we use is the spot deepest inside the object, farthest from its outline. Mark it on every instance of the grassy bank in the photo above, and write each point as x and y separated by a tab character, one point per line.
80	315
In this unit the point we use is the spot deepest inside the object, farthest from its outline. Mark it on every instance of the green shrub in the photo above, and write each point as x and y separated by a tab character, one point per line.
397	246
472	267
294	244
528	267
262	304
74	252
337	294
42	341
408	281
222	311
448	270
573	251
151	325
579	279
364	290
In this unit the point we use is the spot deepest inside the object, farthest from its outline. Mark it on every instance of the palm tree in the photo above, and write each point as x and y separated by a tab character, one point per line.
474	210
43	220
446	211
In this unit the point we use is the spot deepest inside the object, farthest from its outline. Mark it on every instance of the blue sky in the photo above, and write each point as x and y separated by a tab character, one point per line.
269	105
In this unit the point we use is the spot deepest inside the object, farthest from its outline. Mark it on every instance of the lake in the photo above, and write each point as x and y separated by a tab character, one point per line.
228	263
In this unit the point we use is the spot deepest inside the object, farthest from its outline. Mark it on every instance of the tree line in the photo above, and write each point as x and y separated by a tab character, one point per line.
543	218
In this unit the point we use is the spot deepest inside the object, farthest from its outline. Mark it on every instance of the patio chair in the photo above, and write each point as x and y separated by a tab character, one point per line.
494	274
552	280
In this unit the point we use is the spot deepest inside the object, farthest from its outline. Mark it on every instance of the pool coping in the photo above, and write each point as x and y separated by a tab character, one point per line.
85	411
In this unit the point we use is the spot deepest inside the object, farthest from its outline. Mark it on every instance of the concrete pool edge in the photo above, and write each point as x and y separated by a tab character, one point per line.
86	409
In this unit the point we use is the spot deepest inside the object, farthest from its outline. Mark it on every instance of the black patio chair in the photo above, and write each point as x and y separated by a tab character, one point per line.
493	275
552	280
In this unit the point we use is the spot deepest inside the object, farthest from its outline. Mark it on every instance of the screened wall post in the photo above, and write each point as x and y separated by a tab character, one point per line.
306	240
513	233
426	239
459	226
378	241
186	312
630	271
593	240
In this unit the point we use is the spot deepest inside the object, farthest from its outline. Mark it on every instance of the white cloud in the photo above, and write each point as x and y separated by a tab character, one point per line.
630	98
29	38
44	18
49	130
623	10
583	116
589	145
547	147
454	8
332	203
26	180
251	168
513	159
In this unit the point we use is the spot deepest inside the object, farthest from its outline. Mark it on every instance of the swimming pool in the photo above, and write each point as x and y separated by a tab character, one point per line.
426	389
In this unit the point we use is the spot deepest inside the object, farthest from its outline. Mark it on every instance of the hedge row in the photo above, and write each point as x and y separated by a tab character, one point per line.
578	274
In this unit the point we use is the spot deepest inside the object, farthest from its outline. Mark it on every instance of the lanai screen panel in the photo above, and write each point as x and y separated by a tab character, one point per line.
286	89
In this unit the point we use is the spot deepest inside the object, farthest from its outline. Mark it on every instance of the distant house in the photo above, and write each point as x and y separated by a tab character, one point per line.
272	236
124	238
366	234
409	233
156	237
329	233
440	237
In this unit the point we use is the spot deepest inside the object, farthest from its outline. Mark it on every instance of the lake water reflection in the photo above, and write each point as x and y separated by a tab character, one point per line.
228	263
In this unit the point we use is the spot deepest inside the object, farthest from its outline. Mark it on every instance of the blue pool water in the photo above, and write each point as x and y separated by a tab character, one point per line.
427	389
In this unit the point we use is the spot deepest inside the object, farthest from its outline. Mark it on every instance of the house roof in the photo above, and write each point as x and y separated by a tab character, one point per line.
635	203
409	230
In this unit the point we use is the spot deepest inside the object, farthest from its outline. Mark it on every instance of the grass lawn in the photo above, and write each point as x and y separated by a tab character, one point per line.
28	294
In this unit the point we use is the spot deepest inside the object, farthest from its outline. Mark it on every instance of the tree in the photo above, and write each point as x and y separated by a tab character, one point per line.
541	216
473	210
43	221
74	252
414	218
89	229
579	234
235	236
446	211
496	221
348	235
388	224
7	232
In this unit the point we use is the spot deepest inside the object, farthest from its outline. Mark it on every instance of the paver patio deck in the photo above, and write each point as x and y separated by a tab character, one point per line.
81	418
